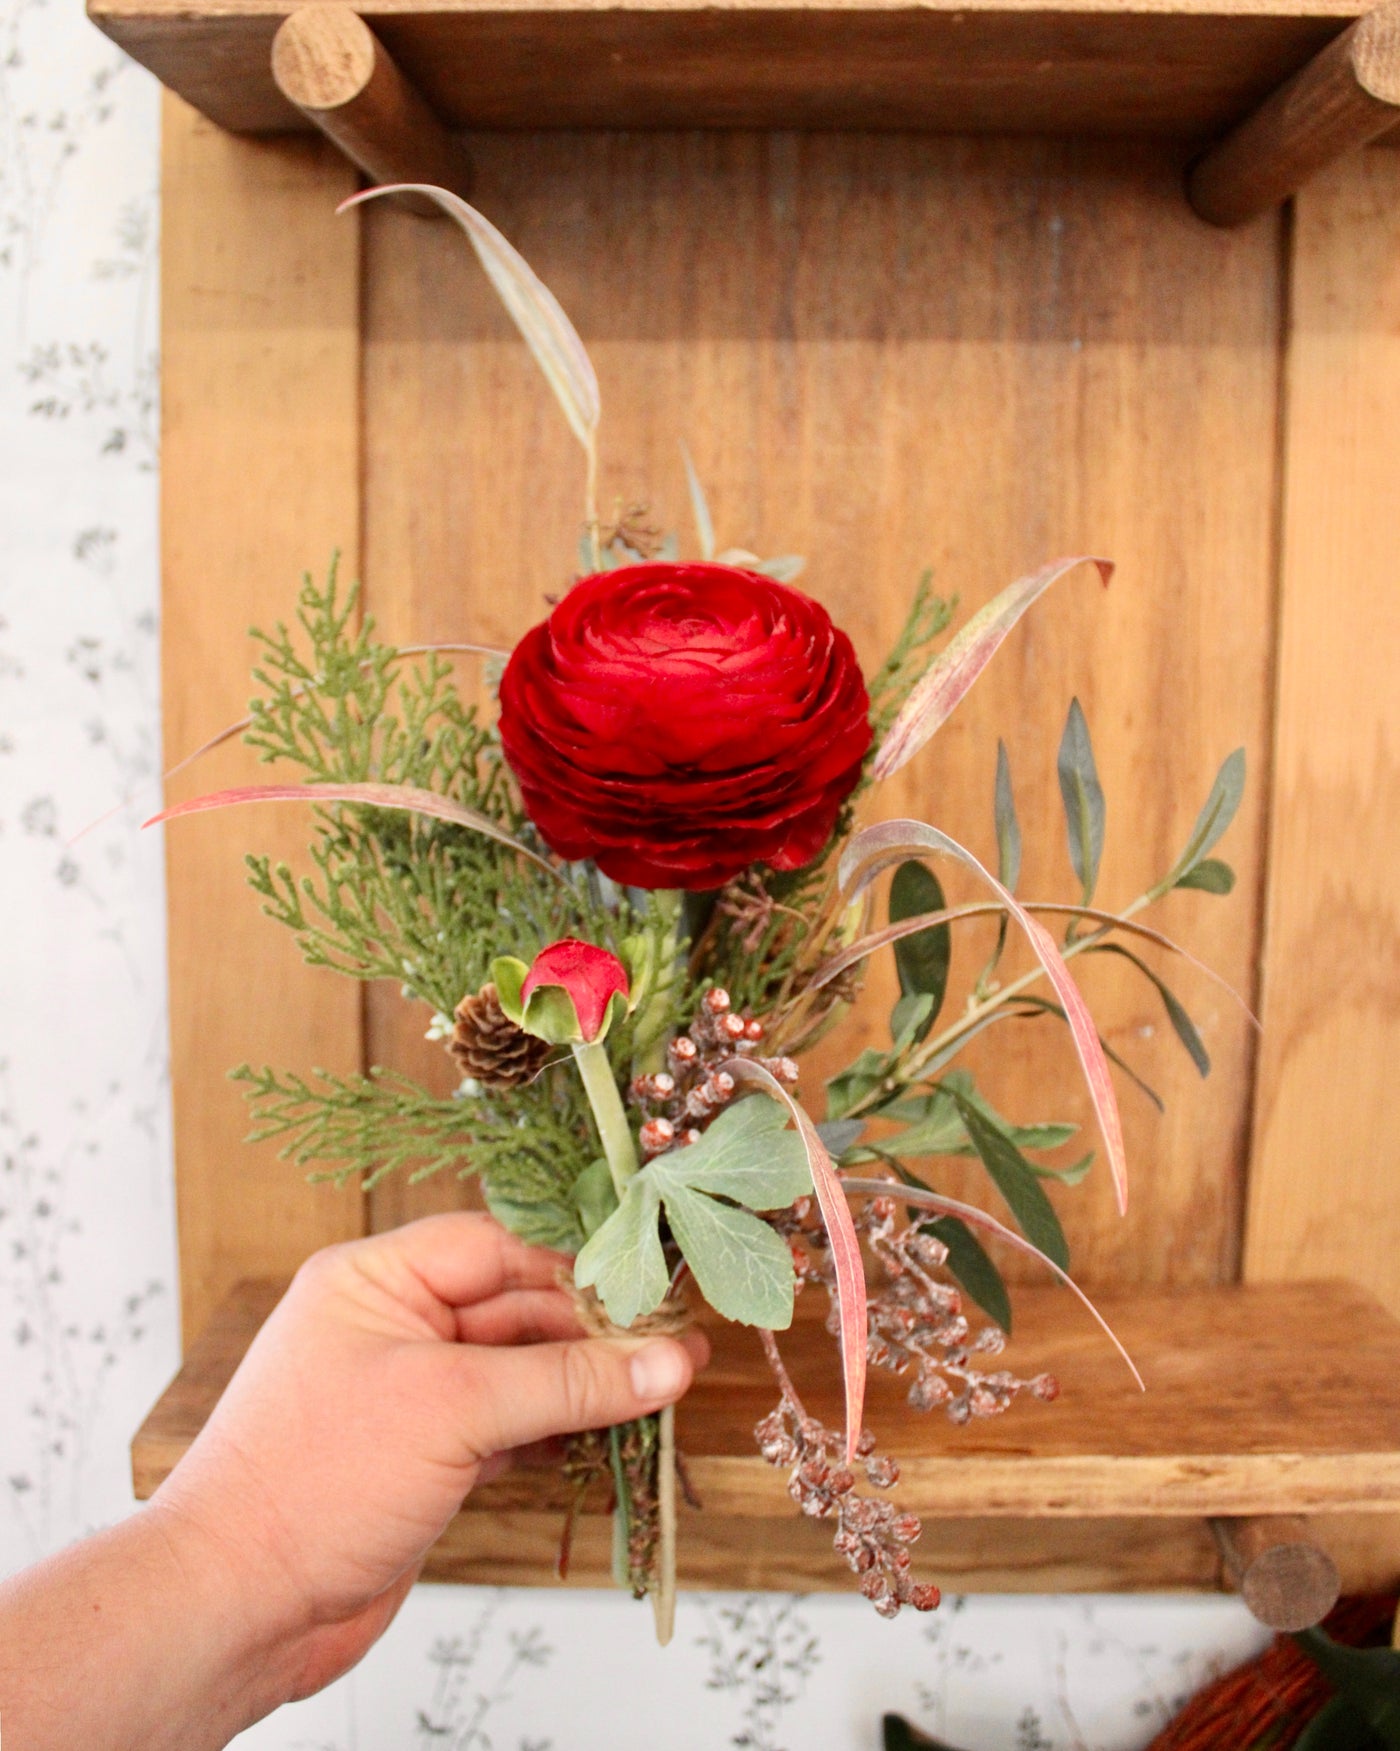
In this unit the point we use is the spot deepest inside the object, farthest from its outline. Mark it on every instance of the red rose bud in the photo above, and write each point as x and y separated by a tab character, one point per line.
591	977
676	723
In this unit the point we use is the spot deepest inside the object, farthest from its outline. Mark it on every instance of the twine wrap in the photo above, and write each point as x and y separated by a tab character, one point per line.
668	1320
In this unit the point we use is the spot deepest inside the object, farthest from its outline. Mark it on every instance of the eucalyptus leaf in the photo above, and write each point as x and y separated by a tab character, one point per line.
1214	818
1008	828
922	959
783	567
1067	1176
1016	1180
1049	1008
1212	875
855	1082
1082	795
1182	1024
970	1262
623	1260
910	1019
704	525
838	1135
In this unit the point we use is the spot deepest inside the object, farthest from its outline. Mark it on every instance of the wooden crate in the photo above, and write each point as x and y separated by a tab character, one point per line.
970	348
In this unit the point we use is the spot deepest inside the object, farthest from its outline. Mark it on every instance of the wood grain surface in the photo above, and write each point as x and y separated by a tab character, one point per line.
1323	1185
1187	70
260	480
892	353
1346	96
1324	1440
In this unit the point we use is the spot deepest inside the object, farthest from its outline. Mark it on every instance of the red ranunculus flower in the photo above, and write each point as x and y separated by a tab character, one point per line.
591	976
677	723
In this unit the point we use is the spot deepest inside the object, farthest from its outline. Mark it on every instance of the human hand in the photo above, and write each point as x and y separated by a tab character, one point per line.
396	1372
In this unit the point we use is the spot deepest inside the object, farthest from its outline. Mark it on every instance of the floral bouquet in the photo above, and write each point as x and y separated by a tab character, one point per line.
630	904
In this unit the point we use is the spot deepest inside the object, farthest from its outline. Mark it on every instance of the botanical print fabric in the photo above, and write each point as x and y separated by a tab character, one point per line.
88	1317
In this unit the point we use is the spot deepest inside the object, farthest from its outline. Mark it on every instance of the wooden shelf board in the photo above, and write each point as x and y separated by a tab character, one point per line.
1262	1400
1188	69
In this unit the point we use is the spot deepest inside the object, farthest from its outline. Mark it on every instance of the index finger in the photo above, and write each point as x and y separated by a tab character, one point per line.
458	1258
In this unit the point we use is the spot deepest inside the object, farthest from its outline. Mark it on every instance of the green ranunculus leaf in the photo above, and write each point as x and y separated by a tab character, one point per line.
595	1196
749	1155
623	1260
743	1268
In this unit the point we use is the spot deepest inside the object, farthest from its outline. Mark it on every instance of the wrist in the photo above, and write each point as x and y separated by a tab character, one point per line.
249	1622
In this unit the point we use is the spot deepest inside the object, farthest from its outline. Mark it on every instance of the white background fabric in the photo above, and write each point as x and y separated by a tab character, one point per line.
87	1263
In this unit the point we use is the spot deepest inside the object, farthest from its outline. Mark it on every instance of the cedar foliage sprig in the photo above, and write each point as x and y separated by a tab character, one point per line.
528	1158
421	902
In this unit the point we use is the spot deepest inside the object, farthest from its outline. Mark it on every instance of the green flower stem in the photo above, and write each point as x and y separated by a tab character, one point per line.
608	1111
664	1594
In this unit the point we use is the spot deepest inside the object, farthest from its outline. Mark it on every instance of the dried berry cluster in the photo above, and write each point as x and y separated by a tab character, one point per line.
917	1326
681	1100
915	1320
872	1535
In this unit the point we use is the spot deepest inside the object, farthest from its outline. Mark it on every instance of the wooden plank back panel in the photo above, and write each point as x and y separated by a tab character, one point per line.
260	480
888	352
1323	1185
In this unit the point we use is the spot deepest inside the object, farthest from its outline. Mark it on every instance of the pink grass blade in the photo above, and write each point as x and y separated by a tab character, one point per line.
533	308
948	678
845	1247
378	796
890	933
876	848
229	731
928	1199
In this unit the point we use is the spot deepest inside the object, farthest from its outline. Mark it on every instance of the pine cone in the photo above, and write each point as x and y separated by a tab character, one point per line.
488	1045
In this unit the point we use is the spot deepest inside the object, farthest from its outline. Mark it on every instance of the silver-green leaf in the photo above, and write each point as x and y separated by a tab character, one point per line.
1082	795
744	1269
623	1261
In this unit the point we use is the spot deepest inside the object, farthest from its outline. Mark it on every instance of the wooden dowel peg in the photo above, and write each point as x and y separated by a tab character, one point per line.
1284	1576
1346	96
328	62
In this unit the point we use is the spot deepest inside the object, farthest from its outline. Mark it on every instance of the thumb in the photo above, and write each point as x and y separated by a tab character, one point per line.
529	1392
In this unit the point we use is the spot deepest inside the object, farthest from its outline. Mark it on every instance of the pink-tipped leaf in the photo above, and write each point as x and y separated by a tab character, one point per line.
845	1247
927	1199
876	848
891	933
533	308
379	796
946	681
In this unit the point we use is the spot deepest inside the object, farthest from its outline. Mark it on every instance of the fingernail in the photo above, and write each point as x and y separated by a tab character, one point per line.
658	1371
